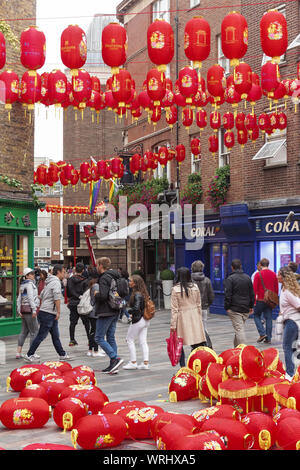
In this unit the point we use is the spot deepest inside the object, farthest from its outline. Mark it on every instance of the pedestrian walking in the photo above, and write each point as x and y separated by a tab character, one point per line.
239	300
139	326
206	291
49	314
76	286
258	268
186	312
42	280
93	346
294	267
107	313
123	290
290	310
265	279
27	306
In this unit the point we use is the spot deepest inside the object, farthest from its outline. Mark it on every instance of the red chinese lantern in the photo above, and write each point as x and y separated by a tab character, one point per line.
2	50
53	172
121	87
64	181
57	87
254	134
201	119
213	144
180	153
160	43
254	95
30	88
114	46
178	98
264	122
136	113
270	78
274	121
101	165
282	121
116	166
85	172
196	146
155	114
9	88
234	37
135	163
152	161
215	120
242	79
187	117
163	153
242	137
41	174
33	48
279	93
200	98
110	102
171	116
232	96
250	123
156	86
188	83
45	100
228	120
273	34
144	100
240	121
74	178
82	87
229	139
215	80
197	40
168	100
73	48
96	85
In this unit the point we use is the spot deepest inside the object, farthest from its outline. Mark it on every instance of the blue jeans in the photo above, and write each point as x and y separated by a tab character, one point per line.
48	324
261	308
290	334
106	326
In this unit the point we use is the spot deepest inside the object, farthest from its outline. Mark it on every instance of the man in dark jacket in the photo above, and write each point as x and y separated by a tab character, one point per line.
206	291
107	316
76	286
239	300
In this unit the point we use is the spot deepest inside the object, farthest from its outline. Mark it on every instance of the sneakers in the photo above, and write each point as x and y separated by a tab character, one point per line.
114	364
73	343
261	338
65	357
130	365
29	358
143	366
89	353
266	340
98	354
19	356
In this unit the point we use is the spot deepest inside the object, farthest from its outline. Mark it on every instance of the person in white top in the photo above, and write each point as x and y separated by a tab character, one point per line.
258	268
290	310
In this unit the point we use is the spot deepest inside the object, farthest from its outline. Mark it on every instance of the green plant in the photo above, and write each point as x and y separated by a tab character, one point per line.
12	182
9	35
218	187
167	275
192	193
34	188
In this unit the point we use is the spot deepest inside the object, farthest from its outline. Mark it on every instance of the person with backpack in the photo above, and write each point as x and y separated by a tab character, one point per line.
94	350
138	304
76	286
107	309
206	291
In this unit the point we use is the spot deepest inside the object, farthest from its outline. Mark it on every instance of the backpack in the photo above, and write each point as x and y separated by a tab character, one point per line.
149	310
85	306
114	300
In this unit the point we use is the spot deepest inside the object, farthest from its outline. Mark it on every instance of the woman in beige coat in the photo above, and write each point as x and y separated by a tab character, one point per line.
186	313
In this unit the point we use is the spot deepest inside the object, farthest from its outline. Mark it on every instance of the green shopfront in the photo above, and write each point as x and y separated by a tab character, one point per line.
18	221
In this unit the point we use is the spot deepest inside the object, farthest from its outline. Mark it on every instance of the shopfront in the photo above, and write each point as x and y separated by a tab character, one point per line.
18	221
244	234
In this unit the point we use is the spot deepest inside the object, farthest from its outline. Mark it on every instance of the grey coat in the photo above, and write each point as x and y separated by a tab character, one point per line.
205	287
28	295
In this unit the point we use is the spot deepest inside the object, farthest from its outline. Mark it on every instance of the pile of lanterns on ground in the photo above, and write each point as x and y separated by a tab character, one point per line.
190	92
248	404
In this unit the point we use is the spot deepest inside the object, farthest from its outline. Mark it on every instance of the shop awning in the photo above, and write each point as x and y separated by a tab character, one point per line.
269	149
139	228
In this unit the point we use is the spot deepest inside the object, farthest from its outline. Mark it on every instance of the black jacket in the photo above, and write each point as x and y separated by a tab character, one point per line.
102	308
76	286
136	307
239	293
205	287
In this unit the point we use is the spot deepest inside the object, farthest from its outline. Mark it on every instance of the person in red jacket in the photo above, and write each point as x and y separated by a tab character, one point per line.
261	308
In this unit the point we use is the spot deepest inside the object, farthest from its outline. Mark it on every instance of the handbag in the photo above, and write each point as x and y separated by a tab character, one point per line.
270	297
174	347
149	310
26	309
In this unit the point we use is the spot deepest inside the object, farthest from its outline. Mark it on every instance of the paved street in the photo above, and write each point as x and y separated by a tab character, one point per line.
150	386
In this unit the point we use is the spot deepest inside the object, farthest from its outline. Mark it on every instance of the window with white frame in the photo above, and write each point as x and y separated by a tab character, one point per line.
280	157
223	150
160	10
194	3
42	252
162	171
222	60
43	232
265	58
36	252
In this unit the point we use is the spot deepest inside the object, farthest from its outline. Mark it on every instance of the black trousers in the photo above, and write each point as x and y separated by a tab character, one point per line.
92	343
182	357
74	317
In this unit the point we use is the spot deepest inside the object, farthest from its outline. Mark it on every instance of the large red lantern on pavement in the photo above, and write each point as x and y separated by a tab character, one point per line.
160	43
273	34
188	83
9	88
73	48
156	86
33	48
234	37
82	87
121	87
57	87
114	46
242	79
215	81
2	50
197	40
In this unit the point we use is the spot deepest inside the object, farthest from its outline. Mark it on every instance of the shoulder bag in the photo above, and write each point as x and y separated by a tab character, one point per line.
270	297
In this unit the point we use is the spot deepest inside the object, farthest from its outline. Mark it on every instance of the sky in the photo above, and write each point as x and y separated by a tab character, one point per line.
52	18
